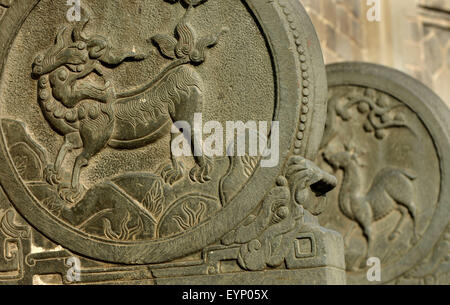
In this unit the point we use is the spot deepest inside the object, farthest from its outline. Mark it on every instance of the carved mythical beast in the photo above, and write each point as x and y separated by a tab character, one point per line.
92	116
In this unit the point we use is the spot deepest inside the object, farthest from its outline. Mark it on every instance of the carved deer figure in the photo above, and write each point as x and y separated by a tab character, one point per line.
391	190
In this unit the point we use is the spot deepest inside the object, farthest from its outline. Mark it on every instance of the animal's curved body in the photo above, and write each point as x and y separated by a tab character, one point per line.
390	187
133	121
92	116
390	190
135	118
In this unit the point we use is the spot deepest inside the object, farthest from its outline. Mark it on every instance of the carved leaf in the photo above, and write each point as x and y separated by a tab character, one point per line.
181	223
21	164
250	164
199	53
166	44
154	199
126	233
186	39
192	217
108	231
52	205
381	113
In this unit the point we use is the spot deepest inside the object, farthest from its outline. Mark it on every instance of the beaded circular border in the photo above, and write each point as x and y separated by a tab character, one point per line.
305	78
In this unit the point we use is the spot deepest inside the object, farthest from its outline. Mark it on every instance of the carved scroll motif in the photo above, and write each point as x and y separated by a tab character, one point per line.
266	237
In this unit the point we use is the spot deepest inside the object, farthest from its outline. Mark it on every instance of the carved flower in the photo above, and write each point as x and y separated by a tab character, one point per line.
186	45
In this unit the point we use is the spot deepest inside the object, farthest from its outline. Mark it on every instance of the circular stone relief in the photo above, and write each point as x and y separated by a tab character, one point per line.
87	107
387	141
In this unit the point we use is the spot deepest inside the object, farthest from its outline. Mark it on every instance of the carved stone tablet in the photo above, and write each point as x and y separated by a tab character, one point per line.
90	98
387	139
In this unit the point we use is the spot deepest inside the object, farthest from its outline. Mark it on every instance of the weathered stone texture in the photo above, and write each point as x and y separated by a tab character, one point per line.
338	24
443	5
161	225
412	38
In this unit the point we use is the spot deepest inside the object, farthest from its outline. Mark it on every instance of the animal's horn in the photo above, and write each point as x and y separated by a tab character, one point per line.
77	32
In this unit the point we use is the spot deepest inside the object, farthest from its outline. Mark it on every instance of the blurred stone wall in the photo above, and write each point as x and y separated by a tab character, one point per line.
412	36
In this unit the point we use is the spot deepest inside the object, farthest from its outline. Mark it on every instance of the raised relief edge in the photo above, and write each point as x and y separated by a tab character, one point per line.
434	114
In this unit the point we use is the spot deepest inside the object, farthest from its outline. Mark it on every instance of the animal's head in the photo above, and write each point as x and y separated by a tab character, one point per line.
47	62
65	52
308	184
343	159
69	49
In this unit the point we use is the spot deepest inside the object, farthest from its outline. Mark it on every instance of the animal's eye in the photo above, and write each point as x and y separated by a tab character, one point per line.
39	59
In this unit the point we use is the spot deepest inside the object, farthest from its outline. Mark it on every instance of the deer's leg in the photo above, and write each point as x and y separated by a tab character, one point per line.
412	210
404	209
364	217
52	173
397	230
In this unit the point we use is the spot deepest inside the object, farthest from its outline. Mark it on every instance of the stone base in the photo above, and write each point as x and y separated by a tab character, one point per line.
309	276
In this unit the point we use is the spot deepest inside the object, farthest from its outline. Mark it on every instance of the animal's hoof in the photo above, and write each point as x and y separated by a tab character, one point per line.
172	173
200	174
51	175
69	194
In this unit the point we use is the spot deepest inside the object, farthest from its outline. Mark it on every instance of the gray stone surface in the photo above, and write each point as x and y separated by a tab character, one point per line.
86	167
388	141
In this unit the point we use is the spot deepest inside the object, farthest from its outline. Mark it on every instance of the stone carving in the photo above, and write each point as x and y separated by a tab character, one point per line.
390	190
250	164
123	120
114	192
380	114
13	243
266	238
191	217
434	269
386	147
6	3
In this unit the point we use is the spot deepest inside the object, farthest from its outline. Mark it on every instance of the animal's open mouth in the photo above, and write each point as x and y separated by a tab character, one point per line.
324	185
